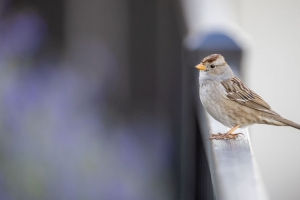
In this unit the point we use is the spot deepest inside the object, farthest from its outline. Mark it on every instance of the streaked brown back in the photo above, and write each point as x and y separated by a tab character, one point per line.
237	91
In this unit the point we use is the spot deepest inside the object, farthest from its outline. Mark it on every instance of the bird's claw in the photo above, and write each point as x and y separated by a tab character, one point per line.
224	136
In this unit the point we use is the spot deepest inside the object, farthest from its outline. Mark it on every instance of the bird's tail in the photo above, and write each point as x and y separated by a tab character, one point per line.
288	122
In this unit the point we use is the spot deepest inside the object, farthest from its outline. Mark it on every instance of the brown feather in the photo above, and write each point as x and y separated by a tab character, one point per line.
287	122
237	91
211	58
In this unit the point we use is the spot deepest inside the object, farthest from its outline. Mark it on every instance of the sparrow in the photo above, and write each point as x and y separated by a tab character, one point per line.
228	100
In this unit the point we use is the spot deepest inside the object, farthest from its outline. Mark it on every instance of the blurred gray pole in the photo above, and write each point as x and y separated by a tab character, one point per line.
95	29
104	21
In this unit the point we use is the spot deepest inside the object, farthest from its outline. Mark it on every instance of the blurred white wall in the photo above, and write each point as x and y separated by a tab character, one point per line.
272	69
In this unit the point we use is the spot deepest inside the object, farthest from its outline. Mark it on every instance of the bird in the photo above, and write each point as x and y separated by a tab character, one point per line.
228	100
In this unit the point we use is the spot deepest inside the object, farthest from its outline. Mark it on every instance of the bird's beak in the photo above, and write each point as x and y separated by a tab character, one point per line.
201	67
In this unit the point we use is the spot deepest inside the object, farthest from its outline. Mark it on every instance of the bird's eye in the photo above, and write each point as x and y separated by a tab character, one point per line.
212	66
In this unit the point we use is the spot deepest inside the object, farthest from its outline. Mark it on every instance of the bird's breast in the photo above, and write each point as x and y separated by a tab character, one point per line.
214	100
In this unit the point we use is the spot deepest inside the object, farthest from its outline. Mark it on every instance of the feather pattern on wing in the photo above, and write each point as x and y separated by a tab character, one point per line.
237	91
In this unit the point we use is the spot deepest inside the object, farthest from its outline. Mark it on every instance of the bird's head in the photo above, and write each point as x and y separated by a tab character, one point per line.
215	66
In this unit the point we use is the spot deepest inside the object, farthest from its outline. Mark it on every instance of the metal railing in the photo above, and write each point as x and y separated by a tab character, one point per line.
232	168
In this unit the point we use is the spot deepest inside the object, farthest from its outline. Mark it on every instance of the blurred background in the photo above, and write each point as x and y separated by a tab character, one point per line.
96	100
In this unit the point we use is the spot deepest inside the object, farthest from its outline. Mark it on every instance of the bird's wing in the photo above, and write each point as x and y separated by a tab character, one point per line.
237	91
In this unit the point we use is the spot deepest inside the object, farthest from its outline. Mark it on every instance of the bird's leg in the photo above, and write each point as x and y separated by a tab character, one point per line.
226	136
